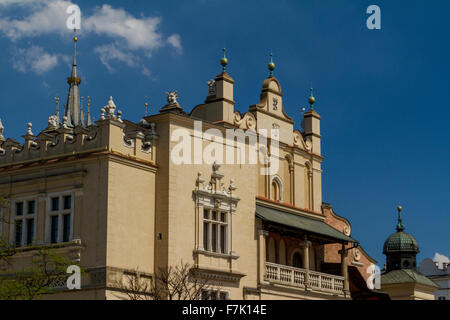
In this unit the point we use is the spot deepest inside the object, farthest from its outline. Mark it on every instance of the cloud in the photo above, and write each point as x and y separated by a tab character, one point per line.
131	35
137	33
34	59
46	17
110	52
175	41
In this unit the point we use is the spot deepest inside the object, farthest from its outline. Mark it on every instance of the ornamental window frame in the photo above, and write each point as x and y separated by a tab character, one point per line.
214	197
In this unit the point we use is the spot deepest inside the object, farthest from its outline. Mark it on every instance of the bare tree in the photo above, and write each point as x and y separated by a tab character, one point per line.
170	283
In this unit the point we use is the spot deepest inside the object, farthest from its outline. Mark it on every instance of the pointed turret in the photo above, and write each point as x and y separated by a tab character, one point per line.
219	104
74	112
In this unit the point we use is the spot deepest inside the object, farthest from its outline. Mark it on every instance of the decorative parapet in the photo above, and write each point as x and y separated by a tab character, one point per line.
109	133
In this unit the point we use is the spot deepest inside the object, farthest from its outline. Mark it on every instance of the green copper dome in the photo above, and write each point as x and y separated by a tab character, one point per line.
401	241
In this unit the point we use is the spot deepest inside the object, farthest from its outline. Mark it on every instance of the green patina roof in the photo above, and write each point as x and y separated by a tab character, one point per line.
405	276
400	241
302	223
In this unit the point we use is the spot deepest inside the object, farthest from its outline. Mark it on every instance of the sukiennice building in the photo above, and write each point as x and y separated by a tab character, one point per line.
108	195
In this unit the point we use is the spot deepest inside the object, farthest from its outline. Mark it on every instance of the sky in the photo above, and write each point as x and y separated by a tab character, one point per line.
382	94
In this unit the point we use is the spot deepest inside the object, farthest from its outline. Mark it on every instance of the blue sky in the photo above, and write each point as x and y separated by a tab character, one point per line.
382	94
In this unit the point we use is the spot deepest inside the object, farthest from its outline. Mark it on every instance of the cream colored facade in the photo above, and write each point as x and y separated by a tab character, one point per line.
134	208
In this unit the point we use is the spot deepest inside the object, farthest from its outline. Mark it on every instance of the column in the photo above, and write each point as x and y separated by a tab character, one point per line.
310	186
344	269
305	246
262	235
292	182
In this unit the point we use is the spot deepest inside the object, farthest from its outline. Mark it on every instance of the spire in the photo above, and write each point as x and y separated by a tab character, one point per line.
271	65
57	107
224	60
400	226
146	106
311	99
88	116
74	112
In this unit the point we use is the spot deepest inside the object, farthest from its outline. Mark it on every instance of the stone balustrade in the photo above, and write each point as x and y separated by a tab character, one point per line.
296	277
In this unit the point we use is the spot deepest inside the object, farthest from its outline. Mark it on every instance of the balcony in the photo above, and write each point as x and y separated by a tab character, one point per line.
286	275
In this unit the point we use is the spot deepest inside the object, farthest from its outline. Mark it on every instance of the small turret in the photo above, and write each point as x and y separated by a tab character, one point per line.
311	125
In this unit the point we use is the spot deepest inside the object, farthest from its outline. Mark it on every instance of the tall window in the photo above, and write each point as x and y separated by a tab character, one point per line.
276	189
59	222
24	226
215	231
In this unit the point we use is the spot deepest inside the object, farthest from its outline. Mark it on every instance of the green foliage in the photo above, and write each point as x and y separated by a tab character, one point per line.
34	280
43	266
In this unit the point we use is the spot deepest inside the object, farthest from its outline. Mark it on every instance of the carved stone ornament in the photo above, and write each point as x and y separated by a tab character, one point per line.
211	87
53	121
275	104
347	231
172	97
356	255
214	194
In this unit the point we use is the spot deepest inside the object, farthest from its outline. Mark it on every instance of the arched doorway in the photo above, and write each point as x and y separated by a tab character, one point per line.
297	260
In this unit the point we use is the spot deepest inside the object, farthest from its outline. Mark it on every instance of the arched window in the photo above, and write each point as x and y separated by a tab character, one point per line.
271	254
276	189
297	260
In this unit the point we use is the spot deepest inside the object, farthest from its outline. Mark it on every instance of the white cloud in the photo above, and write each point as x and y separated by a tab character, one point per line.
175	41
131	35
34	59
110	52
137	33
46	17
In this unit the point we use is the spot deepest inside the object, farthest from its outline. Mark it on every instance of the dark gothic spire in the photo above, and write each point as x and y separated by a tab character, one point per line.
74	112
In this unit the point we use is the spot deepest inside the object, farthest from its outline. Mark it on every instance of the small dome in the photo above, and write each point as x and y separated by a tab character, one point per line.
401	242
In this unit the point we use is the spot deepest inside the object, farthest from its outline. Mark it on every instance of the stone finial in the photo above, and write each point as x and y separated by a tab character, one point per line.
102	112
2	128
110	108
29	132
53	121
232	187
216	166
65	124
119	116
